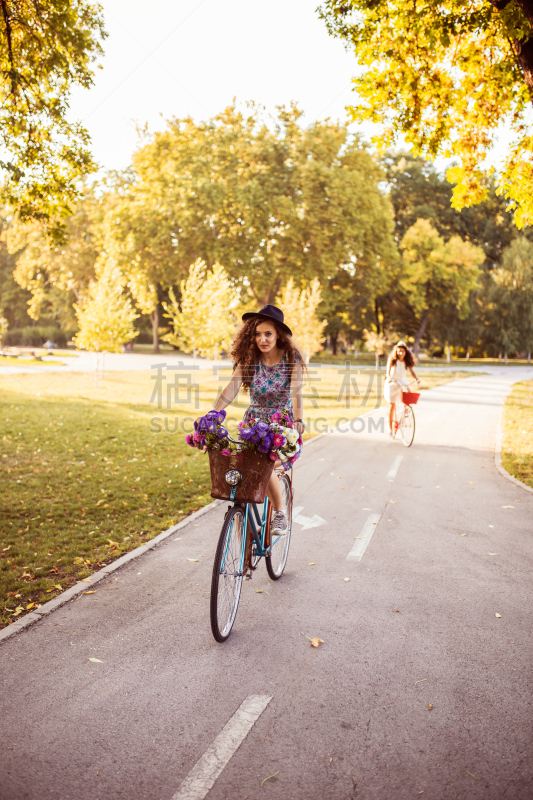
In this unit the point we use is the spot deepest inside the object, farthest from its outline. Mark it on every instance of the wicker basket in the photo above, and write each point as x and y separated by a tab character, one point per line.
255	468
410	398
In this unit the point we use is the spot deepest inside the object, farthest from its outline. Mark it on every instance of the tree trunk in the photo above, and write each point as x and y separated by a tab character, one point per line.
376	315
506	356
334	337
420	332
529	356
154	319
499	358
448	354
468	353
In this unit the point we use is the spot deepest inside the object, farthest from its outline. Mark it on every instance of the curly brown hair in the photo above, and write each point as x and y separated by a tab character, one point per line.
245	353
409	361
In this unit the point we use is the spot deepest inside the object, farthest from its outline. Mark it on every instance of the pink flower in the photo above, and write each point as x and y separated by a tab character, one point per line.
278	440
273	456
275	417
189	440
225	453
197	437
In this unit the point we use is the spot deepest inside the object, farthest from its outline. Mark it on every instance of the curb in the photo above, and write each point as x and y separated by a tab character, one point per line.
79	588
498	452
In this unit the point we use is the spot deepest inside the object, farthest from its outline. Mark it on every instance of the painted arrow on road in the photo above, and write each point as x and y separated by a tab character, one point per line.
306	522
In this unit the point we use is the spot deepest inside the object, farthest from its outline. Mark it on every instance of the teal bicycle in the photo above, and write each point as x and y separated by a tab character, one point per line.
244	540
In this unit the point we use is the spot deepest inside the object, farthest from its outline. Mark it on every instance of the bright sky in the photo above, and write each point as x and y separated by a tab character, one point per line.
192	57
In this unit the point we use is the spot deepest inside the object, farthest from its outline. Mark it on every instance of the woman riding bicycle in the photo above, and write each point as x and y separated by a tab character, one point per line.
400	360
268	364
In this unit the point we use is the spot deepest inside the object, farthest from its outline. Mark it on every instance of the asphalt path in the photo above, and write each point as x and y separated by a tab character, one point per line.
421	688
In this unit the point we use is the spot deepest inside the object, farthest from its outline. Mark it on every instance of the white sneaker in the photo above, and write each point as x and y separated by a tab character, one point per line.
279	523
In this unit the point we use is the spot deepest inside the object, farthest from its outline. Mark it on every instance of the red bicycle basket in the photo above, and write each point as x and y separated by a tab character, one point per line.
410	398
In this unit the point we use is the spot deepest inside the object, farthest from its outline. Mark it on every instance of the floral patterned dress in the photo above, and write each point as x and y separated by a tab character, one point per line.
270	391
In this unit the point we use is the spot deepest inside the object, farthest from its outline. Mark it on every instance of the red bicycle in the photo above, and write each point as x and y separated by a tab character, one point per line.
404	421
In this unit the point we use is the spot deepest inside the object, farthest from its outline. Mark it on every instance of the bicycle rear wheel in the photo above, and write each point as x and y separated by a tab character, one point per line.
226	582
408	426
279	545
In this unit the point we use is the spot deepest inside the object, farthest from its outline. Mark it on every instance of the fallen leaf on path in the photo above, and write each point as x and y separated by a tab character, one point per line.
397	611
346	580
86	580
92	591
430	706
468	773
30	605
259	591
463	534
498	615
96	660
421	680
18	610
311	564
392	501
471	483
58	586
78	560
506	507
178	539
316	642
193	559
270	776
491	526
492	554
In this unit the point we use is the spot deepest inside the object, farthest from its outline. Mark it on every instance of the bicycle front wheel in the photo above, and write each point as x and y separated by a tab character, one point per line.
408	426
276	558
227	577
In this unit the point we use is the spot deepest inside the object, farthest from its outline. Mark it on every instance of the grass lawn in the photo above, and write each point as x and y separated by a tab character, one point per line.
27	362
92	472
517	445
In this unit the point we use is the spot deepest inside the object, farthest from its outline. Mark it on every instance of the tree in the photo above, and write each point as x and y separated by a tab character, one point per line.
445	75
512	299
57	273
299	308
46	47
269	201
204	322
435	273
105	315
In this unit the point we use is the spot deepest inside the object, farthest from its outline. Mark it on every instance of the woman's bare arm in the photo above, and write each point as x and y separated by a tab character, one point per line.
230	391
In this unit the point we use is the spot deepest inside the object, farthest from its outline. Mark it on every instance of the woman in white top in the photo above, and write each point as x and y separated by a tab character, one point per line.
400	360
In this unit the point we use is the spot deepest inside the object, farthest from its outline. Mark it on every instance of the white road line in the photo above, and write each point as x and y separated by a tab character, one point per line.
395	467
361	541
203	775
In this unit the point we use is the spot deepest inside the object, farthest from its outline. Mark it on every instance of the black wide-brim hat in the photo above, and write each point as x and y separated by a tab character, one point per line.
271	312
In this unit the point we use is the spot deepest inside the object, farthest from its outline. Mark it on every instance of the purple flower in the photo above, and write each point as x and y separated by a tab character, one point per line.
264	447
262	429
222	433
246	431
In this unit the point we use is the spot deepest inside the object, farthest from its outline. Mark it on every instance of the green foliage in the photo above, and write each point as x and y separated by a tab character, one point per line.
46	47
435	273
105	316
445	75
267	201
511	297
34	336
204	321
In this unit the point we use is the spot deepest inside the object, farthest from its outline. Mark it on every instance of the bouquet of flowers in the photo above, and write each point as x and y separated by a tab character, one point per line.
278	439
210	434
